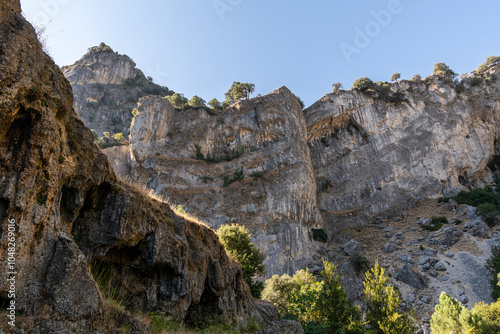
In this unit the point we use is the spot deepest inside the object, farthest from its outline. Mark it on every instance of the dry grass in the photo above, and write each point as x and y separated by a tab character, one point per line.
177	209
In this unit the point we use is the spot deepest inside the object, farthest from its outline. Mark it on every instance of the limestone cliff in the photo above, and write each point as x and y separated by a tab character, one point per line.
70	210
106	87
252	167
370	155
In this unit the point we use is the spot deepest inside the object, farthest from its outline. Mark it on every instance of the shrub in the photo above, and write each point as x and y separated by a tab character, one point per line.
319	234
451	317
237	176
196	102
236	240
476	197
490	213
416	78
443	200
360	263
382	305
493	266
436	223
215	104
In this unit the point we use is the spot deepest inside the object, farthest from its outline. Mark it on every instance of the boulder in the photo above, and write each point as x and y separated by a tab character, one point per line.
407	275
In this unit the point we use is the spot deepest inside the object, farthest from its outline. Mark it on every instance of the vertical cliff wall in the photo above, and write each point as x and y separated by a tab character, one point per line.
249	165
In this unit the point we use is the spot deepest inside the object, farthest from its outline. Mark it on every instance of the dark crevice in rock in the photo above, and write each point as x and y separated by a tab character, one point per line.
4	206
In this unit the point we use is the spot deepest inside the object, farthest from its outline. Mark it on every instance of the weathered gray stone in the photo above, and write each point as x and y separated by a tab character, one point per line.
389	247
478	228
440	266
351	247
407	275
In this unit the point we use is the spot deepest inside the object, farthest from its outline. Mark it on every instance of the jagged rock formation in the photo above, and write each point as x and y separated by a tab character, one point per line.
273	192
106	87
370	155
69	210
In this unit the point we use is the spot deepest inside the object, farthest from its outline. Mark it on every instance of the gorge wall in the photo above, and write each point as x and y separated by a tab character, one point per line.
70	210
344	161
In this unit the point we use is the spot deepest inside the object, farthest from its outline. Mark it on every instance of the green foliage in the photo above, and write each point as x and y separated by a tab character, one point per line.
493	266
360	263
236	240
257	174
490	61
443	200
452	317
364	85
396	77
416	78
237	176
487	203
108	140
476	197
178	100
436	223
279	288
323	307
488	317
382	305
239	91
337	87
215	104
196	102
443	71
319	234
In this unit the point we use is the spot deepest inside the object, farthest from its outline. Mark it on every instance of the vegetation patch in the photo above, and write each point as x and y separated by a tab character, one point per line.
486	201
319	234
436	223
237	176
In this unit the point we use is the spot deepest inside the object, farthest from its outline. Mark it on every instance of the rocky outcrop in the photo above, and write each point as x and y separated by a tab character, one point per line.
70	211
249	164
106	87
370	155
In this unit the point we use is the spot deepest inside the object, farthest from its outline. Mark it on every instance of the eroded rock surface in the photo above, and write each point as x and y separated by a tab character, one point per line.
70	210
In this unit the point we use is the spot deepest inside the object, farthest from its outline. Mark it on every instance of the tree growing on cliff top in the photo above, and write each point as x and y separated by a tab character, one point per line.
196	102
236	240
239	91
450	316
443	71
396	77
178	100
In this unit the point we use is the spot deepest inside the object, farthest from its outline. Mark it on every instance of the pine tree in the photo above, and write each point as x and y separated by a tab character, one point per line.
450	316
382	305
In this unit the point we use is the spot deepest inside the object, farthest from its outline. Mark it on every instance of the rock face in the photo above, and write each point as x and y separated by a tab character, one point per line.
253	167
364	157
370	155
106	87
70	210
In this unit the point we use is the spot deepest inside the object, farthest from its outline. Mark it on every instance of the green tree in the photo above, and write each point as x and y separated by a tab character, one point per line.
382	305
177	100
444	71
396	77
337	87
239	91
196	102
236	240
364	84
215	104
416	77
493	266
450	316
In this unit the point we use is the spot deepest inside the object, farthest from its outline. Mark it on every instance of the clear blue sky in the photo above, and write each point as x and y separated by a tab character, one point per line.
194	48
